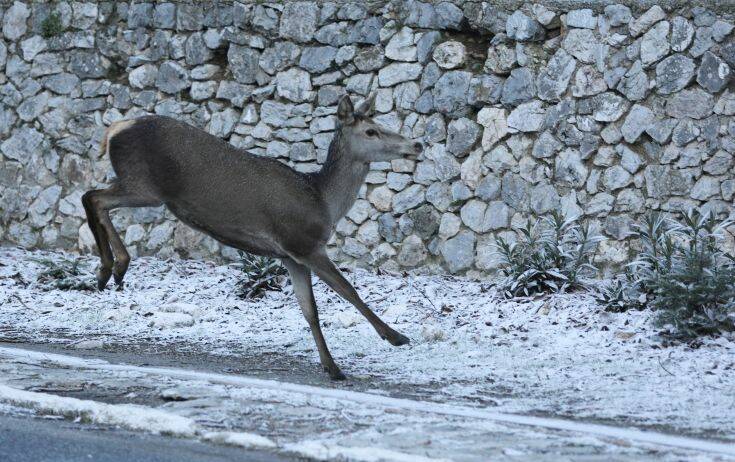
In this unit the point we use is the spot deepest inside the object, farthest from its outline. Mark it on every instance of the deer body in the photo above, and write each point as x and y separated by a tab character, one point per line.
252	203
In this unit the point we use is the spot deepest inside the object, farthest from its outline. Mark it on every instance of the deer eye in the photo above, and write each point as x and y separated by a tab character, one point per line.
371	132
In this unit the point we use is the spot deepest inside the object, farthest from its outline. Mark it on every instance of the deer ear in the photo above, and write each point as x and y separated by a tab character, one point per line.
367	106
345	111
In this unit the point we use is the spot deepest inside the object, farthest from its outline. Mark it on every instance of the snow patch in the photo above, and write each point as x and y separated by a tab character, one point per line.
242	439
325	451
129	416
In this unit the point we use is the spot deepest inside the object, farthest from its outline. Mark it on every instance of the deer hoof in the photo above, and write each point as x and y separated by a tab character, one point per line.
397	339
103	275
335	373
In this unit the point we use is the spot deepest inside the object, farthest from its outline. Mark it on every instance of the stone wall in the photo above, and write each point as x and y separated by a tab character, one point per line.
604	113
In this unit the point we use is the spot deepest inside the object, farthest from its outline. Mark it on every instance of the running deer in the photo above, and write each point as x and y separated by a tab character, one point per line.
251	203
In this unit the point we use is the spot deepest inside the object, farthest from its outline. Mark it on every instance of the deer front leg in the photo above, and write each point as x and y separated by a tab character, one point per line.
301	281
325	269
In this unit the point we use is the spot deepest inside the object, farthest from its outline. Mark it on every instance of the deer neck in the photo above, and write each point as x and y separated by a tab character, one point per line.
340	178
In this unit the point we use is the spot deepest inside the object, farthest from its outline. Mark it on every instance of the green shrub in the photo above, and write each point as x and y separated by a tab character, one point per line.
552	254
52	26
685	275
64	275
260	275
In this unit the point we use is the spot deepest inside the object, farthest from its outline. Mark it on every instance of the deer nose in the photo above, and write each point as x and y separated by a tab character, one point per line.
418	147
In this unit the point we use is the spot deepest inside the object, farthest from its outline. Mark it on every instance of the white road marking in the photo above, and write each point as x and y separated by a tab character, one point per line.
642	436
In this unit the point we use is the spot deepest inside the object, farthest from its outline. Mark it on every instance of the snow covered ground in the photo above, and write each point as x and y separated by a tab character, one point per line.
560	355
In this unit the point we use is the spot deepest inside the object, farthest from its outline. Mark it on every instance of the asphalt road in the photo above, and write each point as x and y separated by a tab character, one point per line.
38	440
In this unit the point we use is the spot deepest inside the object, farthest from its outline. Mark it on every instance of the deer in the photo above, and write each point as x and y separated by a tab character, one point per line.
253	203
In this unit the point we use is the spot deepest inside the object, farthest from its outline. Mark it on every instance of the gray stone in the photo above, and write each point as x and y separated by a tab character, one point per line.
484	89
196	52
425	221
713	73
582	44
629	159
705	188
87	65
336	34
42	208
663	181
203	90
450	93
489	188
317	59
369	59
646	20
501	59
546	146
299	21
552	82
608	107
694	103
569	169
439	195
401	46
495	121
473	215
33	107
412	253
172	78
682	33
703	41
450	54
660	130
719	164
522	28
634	83
618	15
527	117
616	178
62	84
519	87
398	72
140	15
721	29
408	198
143	76
459	251
462	134
222	123
583	18
360	84
674	73
164	16
352	11
425	45
243	62
588	81
294	85
14	21
189	17
367	31
544	199
405	95
448	16
22	144
515	191
277	57
32	46
638	120
655	43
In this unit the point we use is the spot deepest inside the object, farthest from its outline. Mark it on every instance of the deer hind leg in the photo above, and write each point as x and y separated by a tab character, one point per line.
327	272
104	272
100	202
301	281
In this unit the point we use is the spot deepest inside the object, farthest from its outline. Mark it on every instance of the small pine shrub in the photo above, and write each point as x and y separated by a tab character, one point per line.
552	254
685	274
64	275
260	276
52	26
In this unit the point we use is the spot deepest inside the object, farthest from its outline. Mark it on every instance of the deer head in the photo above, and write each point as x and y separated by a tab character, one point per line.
366	140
